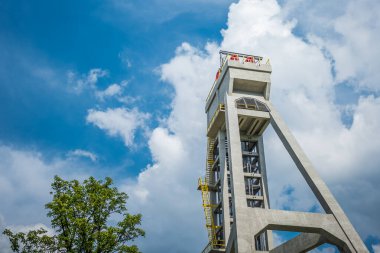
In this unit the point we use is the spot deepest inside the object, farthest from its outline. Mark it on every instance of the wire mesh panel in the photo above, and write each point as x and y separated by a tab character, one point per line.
251	104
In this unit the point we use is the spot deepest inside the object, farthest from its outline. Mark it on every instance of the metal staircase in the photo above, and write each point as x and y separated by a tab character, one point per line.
205	186
210	160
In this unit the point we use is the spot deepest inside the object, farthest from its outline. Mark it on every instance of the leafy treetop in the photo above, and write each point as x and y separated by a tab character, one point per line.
81	214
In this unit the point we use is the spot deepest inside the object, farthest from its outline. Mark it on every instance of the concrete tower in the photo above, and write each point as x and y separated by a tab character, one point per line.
234	190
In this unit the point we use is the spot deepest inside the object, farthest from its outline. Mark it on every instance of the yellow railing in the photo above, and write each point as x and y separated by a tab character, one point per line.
209	159
205	187
208	211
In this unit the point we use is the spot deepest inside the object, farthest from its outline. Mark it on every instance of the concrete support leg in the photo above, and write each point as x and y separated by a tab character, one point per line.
265	186
244	236
224	180
316	184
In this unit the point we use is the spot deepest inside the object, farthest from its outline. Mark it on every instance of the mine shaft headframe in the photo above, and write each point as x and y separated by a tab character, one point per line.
224	55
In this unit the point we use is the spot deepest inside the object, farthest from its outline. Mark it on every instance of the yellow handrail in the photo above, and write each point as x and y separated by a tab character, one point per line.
208	210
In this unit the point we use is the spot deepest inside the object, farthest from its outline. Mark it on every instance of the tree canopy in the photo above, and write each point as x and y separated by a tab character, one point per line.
88	217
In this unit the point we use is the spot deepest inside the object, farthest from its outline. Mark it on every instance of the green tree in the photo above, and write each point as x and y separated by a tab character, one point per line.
83	216
33	241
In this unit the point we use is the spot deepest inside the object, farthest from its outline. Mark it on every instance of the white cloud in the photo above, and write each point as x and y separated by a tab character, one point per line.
85	81
83	153
123	56
27	228
94	74
113	90
356	50
349	37
120	122
110	91
90	81
128	100
166	195
376	248
4	240
169	9
167	149
25	179
165	192
303	92
315	17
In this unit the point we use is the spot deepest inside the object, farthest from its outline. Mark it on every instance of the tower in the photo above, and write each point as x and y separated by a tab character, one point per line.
235	192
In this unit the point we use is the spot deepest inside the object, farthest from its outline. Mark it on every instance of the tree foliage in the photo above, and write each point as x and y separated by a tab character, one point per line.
83	216
33	241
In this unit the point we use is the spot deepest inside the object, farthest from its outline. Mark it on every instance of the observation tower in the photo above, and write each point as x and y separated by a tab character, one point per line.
235	190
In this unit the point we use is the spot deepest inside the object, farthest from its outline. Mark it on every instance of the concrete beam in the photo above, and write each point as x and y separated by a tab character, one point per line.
294	221
301	243
324	224
253	113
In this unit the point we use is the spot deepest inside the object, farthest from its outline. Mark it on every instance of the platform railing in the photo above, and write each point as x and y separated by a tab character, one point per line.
226	56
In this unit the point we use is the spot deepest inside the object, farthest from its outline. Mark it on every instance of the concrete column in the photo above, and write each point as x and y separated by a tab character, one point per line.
224	185
245	238
264	183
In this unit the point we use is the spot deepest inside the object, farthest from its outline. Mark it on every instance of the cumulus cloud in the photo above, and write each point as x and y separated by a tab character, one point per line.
169	154
302	90
120	122
348	38
25	179
83	153
355	50
165	192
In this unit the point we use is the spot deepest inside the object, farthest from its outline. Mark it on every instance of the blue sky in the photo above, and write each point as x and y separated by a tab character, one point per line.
117	88
42	41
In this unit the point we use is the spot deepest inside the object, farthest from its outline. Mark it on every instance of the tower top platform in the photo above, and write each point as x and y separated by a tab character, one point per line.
240	73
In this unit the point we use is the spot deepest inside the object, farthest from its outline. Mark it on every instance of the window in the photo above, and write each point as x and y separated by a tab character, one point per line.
251	104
